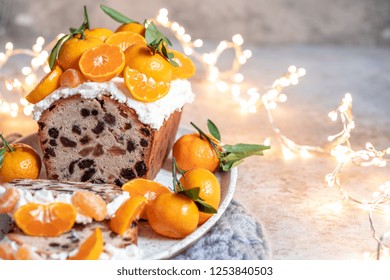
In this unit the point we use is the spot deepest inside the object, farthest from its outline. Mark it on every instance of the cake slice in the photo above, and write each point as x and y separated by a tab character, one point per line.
61	247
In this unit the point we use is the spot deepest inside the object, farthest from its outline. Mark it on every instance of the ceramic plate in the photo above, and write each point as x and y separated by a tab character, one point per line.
152	245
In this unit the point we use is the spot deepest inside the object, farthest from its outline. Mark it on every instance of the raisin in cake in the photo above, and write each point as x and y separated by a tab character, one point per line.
97	133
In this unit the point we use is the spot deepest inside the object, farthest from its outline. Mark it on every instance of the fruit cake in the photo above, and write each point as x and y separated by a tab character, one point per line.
102	141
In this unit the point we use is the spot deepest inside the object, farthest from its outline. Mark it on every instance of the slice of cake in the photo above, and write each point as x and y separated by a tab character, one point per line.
96	133
45	192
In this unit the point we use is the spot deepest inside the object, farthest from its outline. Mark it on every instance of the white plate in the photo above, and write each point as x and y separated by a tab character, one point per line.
153	245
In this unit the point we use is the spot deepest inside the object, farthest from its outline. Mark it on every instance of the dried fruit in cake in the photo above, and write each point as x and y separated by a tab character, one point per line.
91	248
173	215
102	63
146	188
127	213
125	39
90	204
8	199
185	69
71	78
209	188
71	51
142	88
46	86
193	151
45	219
18	160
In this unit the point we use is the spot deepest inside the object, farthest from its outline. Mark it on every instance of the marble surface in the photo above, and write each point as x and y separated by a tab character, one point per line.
302	216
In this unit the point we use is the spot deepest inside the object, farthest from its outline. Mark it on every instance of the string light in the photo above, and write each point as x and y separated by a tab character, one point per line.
22	83
249	100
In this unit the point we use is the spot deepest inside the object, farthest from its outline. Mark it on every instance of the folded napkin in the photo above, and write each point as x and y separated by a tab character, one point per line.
236	236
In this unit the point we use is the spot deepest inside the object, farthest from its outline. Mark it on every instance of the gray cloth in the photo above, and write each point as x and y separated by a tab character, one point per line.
236	236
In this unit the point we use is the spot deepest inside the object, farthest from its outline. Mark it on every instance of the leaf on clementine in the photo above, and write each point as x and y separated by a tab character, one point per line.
102	63
127	213
125	39
186	68
45	219
91	248
46	86
143	89
147	188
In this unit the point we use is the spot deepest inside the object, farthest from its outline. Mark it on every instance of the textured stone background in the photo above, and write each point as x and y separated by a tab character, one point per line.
362	22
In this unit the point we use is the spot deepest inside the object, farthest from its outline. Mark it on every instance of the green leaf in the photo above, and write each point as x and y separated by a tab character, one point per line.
56	49
86	19
205	208
115	15
245	148
191	193
213	129
2	153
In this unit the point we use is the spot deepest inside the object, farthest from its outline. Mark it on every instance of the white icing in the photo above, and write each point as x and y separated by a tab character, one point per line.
2	190
114	205
150	113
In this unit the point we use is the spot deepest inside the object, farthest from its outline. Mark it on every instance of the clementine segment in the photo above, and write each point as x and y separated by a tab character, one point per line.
46	86
91	248
45	219
143	89
6	252
90	204
127	213
173	215
146	188
25	252
125	39
8	199
210	190
102	63
71	78
186	68
192	151
71	51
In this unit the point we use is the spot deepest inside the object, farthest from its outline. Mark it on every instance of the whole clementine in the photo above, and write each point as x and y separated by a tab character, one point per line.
140	57
210	189
173	215
20	161
132	26
192	151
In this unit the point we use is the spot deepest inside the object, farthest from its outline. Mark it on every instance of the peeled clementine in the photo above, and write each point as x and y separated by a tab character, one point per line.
91	248
45	219
90	204
46	86
127	213
71	78
102	63
8	199
186	68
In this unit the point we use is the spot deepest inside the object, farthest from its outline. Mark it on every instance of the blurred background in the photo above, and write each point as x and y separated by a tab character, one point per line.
345	22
